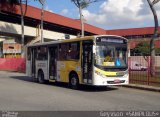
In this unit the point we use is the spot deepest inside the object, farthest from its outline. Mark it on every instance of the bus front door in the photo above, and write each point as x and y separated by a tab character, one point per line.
52	63
87	66
33	62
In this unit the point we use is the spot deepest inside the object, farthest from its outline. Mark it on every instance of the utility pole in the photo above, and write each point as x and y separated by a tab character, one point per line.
42	16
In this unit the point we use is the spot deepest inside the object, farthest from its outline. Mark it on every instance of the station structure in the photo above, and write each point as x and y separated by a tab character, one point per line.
55	27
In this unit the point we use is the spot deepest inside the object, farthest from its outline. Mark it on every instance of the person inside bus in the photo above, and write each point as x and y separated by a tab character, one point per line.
118	59
108	56
73	52
118	62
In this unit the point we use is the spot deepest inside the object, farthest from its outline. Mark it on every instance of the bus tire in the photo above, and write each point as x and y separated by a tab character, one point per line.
35	79
41	77
73	81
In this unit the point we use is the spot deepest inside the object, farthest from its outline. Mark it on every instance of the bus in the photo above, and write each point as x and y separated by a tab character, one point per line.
99	60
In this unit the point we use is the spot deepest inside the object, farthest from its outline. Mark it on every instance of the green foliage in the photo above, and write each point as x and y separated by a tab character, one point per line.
158	51
13	1
143	49
80	3
83	3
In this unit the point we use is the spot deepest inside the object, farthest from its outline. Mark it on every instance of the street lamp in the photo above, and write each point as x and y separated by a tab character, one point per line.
42	16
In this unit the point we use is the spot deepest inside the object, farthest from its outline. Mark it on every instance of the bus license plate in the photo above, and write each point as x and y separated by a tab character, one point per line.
117	81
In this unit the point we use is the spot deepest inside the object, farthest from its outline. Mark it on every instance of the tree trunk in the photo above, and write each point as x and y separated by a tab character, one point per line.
152	46
82	22
22	26
42	16
22	30
22	36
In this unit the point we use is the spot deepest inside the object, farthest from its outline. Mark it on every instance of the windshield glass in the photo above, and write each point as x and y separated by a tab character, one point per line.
111	56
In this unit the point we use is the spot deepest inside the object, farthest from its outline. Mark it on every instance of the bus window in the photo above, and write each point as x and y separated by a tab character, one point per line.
111	56
29	54
120	57
73	52
42	53
69	51
63	51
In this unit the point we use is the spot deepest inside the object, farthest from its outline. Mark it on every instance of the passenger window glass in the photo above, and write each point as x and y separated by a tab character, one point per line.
29	54
73	52
69	51
63	51
42	53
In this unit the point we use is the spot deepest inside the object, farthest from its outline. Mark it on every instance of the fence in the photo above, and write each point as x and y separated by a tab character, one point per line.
139	71
13	64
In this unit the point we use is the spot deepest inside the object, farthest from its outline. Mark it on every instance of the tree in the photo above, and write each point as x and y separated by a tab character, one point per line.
13	1
141	49
42	2
23	13
9	4
42	16
81	4
152	48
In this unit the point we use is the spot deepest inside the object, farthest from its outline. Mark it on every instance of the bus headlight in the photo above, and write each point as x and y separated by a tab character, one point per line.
126	75
102	75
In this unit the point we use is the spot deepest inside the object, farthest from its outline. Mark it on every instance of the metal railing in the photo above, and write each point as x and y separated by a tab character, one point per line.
139	71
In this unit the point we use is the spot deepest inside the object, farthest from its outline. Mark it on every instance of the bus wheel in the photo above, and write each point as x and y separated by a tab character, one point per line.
73	81
41	77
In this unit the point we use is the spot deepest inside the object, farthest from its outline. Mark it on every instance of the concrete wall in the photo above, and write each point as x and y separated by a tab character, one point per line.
13	64
15	29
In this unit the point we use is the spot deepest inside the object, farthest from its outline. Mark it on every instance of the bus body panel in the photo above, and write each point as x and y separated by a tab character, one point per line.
64	68
42	65
28	68
103	78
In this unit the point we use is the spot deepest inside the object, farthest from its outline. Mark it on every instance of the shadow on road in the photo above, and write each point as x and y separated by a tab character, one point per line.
85	88
23	78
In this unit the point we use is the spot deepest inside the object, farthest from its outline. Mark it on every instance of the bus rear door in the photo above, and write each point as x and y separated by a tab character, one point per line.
33	62
52	62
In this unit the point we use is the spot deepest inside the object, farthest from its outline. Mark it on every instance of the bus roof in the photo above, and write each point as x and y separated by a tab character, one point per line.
71	40
63	41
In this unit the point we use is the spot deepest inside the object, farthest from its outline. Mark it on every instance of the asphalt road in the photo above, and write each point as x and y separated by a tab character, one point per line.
20	93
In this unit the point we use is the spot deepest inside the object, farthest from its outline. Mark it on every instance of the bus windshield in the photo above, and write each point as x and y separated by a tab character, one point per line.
112	56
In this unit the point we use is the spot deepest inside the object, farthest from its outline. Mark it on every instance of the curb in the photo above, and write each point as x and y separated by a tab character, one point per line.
143	87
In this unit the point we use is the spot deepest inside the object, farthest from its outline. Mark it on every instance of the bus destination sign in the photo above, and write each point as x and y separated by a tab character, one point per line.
110	40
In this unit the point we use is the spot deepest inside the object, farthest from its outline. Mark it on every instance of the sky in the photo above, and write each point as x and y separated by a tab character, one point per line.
106	14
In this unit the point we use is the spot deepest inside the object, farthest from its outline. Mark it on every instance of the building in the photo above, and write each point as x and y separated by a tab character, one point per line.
136	35
11	49
55	27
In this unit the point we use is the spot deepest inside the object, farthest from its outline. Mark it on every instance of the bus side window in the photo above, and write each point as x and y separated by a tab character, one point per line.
62	51
69	51
29	54
42	53
73	52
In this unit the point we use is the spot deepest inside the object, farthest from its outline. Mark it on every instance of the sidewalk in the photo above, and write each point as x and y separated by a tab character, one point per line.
143	87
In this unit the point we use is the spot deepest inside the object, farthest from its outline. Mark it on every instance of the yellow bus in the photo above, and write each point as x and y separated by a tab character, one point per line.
100	60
